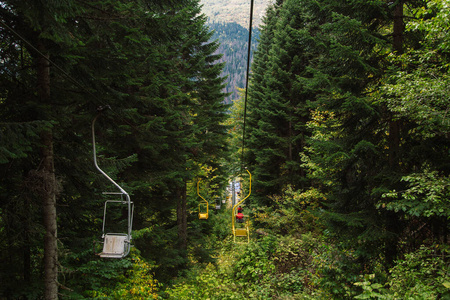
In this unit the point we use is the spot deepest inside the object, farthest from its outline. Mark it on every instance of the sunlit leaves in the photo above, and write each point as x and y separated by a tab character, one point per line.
427	194
437	27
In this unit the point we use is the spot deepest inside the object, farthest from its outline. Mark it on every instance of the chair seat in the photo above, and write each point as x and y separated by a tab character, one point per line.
113	246
203	216
241	232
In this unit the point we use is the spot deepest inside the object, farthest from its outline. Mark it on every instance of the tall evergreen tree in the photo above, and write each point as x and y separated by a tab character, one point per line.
278	109
110	53
412	91
352	158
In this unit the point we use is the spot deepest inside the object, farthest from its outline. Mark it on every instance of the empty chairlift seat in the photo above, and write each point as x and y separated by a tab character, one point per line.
203	206
203	216
114	246
241	232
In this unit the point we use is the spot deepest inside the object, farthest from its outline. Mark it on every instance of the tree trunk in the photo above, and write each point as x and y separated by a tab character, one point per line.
49	215
392	218
394	125
182	217
49	185
26	243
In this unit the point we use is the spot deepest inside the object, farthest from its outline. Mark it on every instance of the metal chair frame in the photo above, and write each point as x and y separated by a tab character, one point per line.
115	245
241	231
202	215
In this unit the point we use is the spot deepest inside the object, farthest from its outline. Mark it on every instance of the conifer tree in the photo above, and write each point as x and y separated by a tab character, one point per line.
257	91
278	108
110	53
346	141
351	158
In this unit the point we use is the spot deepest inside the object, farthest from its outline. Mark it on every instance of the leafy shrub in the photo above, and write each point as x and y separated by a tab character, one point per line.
291	213
333	269
422	274
208	283
274	267
128	278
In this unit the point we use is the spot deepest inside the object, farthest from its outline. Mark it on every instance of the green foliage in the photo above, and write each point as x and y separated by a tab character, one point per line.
422	274
130	278
432	20
294	212
284	267
278	108
17	139
155	65
208	284
427	195
373	120
371	290
416	94
254	262
326	97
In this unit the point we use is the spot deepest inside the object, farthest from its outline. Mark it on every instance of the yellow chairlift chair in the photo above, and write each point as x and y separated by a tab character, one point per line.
241	231
203	206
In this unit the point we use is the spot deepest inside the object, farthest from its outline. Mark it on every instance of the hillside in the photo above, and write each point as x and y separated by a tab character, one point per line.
230	20
233	40
229	11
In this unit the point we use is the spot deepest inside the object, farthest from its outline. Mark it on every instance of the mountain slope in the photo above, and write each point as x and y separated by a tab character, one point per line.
238	11
230	21
233	40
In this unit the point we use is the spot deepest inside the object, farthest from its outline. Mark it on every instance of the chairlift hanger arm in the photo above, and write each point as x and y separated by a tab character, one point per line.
198	191
95	155
249	191
202	215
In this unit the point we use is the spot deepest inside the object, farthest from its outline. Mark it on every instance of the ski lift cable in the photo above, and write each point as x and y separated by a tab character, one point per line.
246	82
52	63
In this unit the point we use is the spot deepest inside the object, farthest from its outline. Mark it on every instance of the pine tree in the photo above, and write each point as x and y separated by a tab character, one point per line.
412	91
278	108
345	136
351	157
108	53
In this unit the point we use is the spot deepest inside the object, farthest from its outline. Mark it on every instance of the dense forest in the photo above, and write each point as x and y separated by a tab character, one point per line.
346	135
152	63
234	11
233	46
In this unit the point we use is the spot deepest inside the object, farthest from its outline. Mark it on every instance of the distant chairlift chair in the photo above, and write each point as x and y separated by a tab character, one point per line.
218	203
115	245
203	206
241	231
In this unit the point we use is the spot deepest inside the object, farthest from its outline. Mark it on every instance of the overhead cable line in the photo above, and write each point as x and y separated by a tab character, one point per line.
246	82
45	57
73	80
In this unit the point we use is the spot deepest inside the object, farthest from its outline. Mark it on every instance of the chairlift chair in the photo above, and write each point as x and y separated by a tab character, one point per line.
203	206
115	245
241	231
218	203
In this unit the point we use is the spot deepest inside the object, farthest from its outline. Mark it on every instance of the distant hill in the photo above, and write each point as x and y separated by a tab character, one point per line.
235	11
233	40
230	21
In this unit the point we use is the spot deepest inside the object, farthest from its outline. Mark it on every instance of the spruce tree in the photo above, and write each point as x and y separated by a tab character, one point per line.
278	108
108	53
351	156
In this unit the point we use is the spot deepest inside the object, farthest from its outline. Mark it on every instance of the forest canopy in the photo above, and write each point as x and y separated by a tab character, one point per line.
347	141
